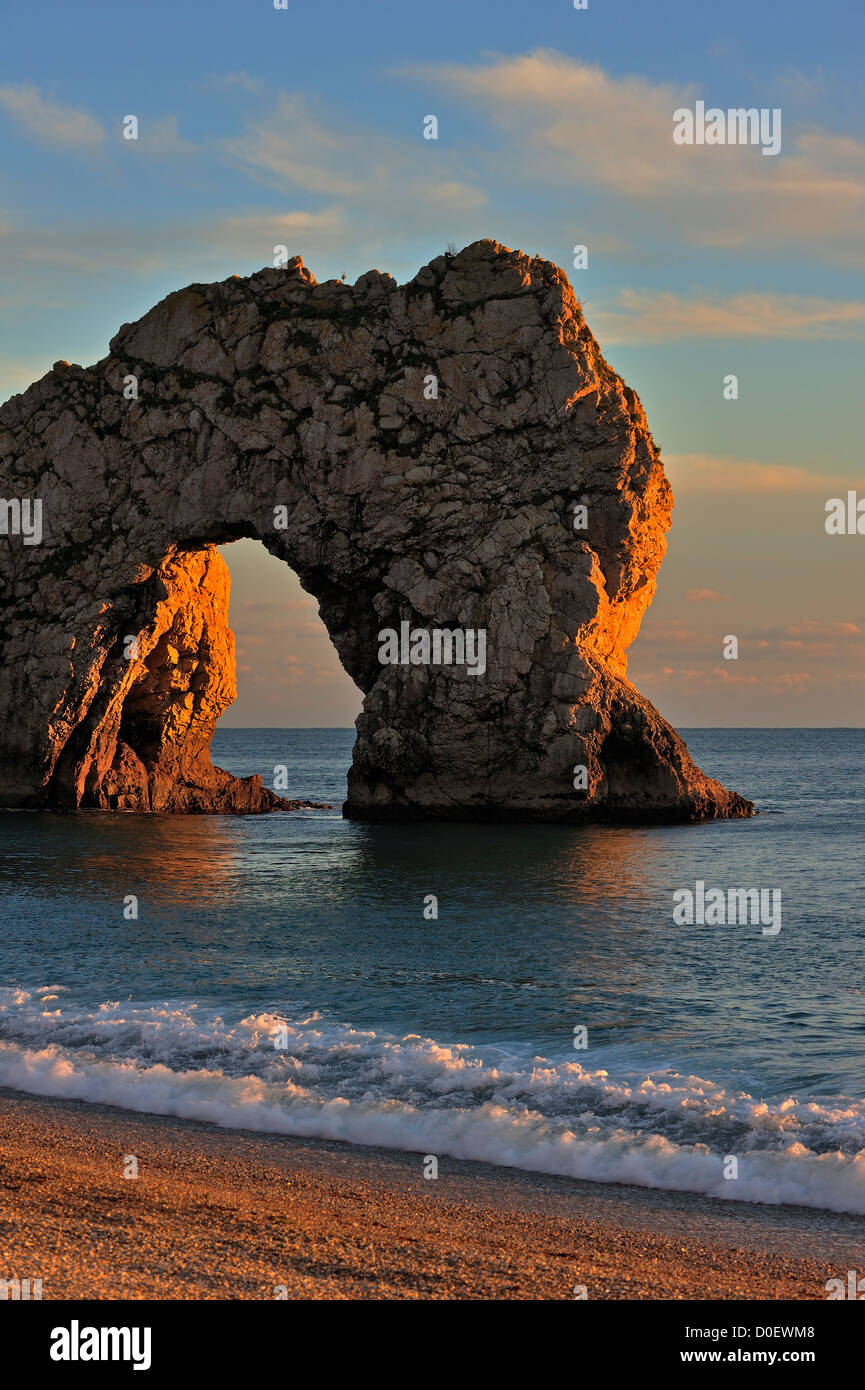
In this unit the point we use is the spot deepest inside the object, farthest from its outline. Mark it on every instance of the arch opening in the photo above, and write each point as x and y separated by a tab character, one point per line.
289	674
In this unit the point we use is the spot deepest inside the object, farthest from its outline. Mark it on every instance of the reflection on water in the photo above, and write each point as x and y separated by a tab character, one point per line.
539	929
92	856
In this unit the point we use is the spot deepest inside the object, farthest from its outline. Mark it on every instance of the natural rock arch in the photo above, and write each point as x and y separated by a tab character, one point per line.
445	503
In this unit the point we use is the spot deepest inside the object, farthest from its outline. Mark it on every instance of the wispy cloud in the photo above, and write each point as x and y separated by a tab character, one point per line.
643	316
293	148
569	123
253	236
192	248
812	639
717	473
161	139
241	79
50	123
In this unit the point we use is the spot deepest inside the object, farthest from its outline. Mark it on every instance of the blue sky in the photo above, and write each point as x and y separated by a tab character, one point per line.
304	127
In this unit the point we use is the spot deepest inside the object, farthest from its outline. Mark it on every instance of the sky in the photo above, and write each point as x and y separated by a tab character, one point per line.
304	126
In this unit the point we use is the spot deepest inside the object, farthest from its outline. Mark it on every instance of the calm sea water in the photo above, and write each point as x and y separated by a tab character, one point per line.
281	975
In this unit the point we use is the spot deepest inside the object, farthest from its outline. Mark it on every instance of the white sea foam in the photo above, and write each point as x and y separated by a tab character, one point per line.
497	1104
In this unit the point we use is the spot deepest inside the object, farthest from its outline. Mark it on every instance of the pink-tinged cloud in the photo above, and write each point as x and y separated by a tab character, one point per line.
701	473
648	316
705	596
657	632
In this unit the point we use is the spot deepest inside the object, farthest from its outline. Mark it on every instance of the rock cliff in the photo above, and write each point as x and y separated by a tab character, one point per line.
453	454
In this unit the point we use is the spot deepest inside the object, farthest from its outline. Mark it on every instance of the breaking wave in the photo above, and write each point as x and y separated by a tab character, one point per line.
319	1078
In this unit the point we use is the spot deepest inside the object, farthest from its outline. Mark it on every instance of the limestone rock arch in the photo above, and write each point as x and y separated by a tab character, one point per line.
415	453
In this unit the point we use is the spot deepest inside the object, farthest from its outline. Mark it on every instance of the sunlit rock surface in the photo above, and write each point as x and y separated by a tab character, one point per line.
305	415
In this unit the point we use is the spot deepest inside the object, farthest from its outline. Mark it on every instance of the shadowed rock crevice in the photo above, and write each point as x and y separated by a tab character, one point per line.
303	415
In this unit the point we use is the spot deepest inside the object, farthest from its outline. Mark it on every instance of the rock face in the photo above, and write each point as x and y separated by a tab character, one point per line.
416	454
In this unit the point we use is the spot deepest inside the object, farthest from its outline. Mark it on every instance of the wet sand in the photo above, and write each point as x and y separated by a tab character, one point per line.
224	1214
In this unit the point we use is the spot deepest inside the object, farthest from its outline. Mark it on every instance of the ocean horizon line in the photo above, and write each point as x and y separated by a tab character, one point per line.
777	728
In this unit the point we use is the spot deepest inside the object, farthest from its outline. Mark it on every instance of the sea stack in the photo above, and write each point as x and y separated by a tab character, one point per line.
451	456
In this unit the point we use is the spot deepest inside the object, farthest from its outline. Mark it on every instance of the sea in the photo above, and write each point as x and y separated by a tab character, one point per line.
518	995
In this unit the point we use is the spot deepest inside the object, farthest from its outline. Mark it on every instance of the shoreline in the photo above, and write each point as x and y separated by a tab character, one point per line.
220	1213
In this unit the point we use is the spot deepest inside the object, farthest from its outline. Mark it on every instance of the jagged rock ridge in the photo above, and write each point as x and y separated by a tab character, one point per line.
305	415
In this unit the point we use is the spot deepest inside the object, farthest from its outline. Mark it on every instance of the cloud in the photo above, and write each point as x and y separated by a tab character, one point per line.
707	473
645	316
240	79
670	632
292	148
571	124
776	681
93	247
253	236
691	680
67	127
832	645
572	118
48	121
161	139
802	86
705	596
193	249
815	639
812	627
